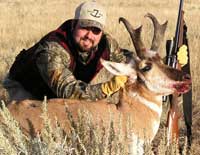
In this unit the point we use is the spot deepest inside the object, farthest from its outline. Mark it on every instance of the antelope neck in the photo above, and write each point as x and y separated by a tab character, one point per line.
139	94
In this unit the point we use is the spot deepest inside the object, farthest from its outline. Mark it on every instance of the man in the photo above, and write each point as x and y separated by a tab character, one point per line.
64	62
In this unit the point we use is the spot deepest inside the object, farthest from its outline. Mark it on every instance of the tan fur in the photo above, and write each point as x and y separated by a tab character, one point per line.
28	112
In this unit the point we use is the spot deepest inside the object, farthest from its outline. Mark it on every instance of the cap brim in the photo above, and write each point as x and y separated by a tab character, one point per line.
90	23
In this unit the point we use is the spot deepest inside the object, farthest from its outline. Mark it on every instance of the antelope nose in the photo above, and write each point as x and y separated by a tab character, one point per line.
187	78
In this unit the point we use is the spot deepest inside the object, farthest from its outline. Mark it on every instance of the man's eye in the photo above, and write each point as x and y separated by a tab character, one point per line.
95	30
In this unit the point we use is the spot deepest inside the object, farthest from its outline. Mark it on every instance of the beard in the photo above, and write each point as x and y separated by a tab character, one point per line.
83	48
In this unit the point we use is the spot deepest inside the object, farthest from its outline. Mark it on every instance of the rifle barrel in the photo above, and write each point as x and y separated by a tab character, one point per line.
178	25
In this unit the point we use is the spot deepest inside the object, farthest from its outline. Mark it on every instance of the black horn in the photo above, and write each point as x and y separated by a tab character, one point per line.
159	32
135	36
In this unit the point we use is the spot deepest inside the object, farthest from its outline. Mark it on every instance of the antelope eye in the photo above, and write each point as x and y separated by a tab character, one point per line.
146	68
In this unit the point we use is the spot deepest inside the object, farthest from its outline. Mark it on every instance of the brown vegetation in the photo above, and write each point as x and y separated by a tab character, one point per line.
24	22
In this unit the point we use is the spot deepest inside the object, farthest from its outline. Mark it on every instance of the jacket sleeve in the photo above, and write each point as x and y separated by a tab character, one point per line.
117	54
53	64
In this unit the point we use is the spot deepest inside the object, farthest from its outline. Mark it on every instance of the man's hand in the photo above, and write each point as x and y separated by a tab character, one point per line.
182	55
113	85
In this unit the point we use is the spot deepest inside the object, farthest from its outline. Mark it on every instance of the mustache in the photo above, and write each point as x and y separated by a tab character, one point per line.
86	38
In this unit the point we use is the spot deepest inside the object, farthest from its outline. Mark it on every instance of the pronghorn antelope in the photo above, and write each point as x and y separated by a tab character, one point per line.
141	98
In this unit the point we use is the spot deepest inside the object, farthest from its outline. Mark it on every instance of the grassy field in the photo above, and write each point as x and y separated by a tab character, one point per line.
24	22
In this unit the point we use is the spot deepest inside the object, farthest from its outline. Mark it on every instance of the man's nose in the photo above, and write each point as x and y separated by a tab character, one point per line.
90	34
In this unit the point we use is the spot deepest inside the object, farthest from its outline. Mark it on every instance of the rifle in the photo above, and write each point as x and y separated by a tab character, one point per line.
172	47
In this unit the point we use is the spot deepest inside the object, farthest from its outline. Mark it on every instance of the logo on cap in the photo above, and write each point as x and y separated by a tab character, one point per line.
96	13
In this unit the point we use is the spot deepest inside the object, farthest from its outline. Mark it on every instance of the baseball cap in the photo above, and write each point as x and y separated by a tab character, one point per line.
91	14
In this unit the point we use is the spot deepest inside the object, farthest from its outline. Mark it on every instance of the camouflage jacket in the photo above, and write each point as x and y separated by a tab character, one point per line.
54	68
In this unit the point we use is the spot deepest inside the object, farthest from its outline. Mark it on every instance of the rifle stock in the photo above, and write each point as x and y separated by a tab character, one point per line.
172	120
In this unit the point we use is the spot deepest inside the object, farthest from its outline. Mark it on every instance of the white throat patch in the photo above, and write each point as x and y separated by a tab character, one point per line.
150	105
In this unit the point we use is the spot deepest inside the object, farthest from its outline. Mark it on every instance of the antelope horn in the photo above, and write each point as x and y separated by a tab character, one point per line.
159	32
135	36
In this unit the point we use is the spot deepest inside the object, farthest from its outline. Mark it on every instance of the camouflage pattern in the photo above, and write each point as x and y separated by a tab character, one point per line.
54	66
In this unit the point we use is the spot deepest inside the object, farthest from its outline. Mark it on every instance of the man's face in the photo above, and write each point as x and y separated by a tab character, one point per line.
86	38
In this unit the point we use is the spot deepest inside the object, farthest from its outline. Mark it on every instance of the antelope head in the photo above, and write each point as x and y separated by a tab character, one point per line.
147	67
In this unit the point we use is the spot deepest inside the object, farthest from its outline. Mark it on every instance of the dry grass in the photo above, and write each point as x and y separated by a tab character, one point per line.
24	22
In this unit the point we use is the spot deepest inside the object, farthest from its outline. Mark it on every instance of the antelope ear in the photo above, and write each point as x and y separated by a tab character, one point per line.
119	68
